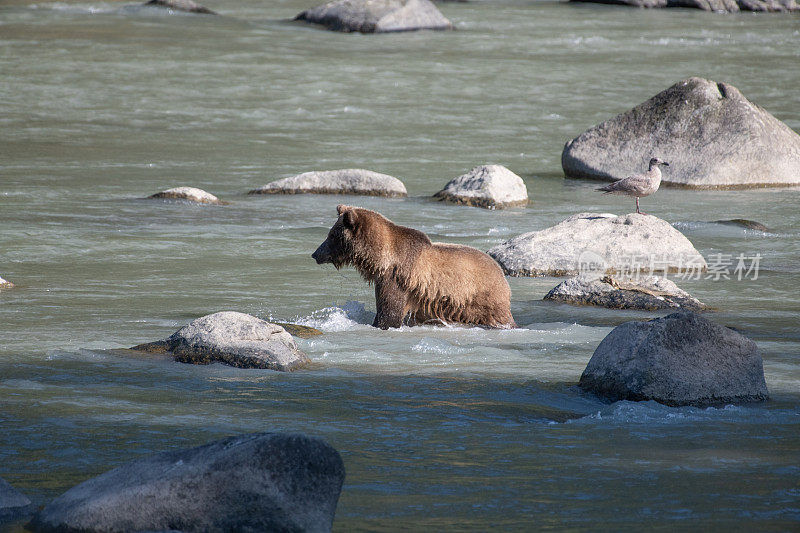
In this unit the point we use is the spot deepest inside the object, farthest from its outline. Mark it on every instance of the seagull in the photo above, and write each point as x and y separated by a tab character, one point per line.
638	185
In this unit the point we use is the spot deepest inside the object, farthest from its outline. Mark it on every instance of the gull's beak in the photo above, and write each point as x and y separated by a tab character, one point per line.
665	163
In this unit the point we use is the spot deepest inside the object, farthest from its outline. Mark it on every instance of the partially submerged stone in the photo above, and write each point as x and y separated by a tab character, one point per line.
256	482
744	223
188	194
681	359
729	6
304	332
600	244
377	16
5	284
13	504
489	186
187	6
647	293
711	135
345	181
235	339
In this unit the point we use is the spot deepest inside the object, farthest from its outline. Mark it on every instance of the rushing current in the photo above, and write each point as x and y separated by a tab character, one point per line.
440	428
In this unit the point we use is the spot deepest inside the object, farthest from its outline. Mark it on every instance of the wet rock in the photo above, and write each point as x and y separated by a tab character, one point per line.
601	244
377	16
730	6
489	186
712	136
235	339
681	359
345	181
5	284
187	6
744	223
647	293
188	194
13	504
257	482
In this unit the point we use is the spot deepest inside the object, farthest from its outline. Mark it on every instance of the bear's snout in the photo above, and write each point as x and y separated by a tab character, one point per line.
322	254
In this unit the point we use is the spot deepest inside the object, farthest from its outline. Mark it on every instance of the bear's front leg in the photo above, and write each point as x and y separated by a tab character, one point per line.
390	301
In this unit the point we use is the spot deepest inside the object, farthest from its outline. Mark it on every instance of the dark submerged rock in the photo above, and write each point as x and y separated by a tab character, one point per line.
648	293
730	6
712	136
681	359
377	16
13	504
187	6
744	223
256	482
235	339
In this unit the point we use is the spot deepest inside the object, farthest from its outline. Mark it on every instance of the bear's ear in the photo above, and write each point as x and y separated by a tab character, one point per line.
349	218
341	208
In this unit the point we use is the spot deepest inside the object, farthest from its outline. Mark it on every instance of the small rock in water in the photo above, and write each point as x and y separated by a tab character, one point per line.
235	339
304	332
256	482
681	359
377	16
712	136
345	181
602	244
489	186
189	194
717	6
744	223
648	293
13	504
5	284
187	6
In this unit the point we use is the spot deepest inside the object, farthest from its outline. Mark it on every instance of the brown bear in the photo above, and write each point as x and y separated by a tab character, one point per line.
416	280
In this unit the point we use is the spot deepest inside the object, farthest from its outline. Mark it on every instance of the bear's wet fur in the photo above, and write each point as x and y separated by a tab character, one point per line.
417	281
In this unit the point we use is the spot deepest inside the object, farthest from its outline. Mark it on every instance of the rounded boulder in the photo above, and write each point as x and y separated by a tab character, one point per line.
232	338
488	186
681	359
187	194
712	136
600	243
346	181
256	482
377	16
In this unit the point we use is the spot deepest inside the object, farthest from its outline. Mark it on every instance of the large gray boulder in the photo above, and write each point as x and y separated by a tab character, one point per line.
730	6
5	284
257	482
600	244
489	186
681	359
235	339
647	293
187	6
711	135
344	181
13	504
187	194
377	16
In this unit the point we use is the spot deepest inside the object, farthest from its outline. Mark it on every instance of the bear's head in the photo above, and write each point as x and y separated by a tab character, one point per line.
338	248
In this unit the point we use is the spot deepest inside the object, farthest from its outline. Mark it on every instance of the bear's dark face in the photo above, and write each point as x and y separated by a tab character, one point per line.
338	247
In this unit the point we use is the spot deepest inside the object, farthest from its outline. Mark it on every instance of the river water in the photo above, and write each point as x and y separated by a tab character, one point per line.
440	429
